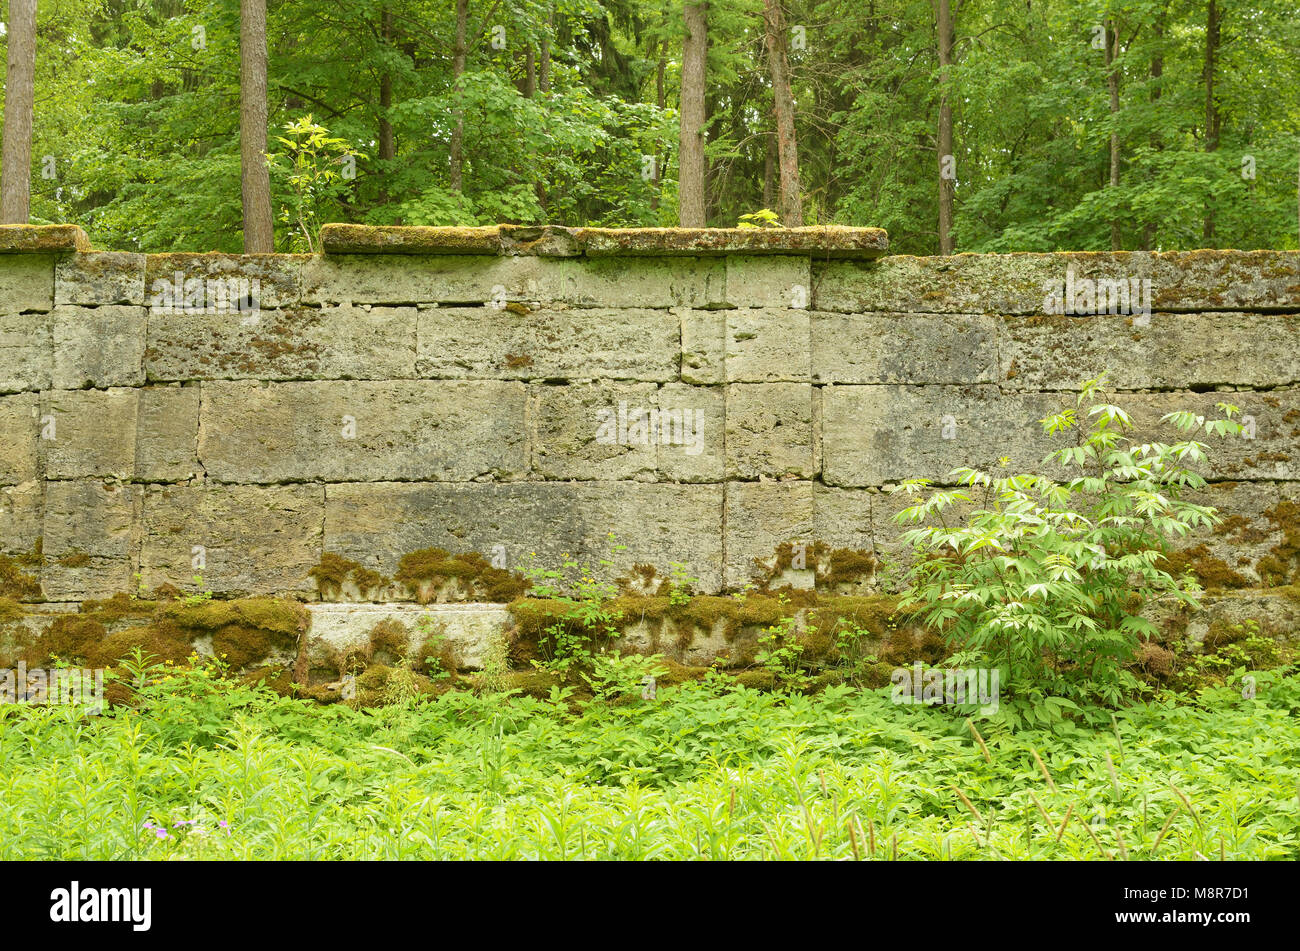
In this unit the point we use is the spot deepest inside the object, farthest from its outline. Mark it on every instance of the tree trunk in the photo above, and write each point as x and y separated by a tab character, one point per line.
387	137
1211	109
1112	86
947	184
530	73
661	102
769	172
456	171
20	94
695	50
1157	74
544	67
783	105
259	231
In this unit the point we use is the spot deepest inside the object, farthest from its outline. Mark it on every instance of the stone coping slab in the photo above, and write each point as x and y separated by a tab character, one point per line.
556	241
19	239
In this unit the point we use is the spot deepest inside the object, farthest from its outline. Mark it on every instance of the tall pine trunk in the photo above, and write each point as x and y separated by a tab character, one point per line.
20	94
947	185
1112	86
1211	108
695	51
455	173
783	103
259	232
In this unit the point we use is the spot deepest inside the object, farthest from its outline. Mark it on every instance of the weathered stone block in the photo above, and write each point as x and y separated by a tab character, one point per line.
1026	283
20	428
376	524
700	454
98	346
704	345
770	431
467	279
91	540
872	435
548	343
94	434
167	433
26	283
94	278
22	511
362	430
199	283
765	281
1171	351
594	431
356	343
239	539
903	348
768	346
25	352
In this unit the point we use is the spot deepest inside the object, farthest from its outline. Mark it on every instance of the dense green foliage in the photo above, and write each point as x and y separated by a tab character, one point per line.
136	127
205	768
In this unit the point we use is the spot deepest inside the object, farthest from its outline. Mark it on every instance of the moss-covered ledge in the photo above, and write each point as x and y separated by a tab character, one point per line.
557	241
38	239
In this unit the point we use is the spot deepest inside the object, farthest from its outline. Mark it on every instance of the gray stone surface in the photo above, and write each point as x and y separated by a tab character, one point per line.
553	342
25	352
98	346
95	278
350	431
1173	351
26	283
251	539
20	427
904	348
771	431
300	343
376	524
768	346
91	539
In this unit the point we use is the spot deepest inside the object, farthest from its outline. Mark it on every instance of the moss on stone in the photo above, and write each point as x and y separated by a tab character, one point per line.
14	583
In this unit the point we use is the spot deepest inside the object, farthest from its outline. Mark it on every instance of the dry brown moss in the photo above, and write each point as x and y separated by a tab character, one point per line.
1213	573
1282	565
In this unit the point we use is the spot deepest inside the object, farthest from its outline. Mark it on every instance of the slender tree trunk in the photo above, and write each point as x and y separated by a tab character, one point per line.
769	172
947	184
259	231
387	137
695	49
544	67
783	105
1157	75
1112	86
456	172
20	94
530	73
661	102
1211	109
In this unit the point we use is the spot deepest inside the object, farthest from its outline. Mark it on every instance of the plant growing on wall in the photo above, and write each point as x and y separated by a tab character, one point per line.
1046	580
316	169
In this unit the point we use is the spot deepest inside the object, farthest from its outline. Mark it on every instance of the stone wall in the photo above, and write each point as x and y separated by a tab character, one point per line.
478	390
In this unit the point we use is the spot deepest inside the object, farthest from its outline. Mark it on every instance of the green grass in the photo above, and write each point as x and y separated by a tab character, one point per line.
705	771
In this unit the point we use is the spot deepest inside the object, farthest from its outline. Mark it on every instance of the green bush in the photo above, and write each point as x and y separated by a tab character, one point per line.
1046	580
